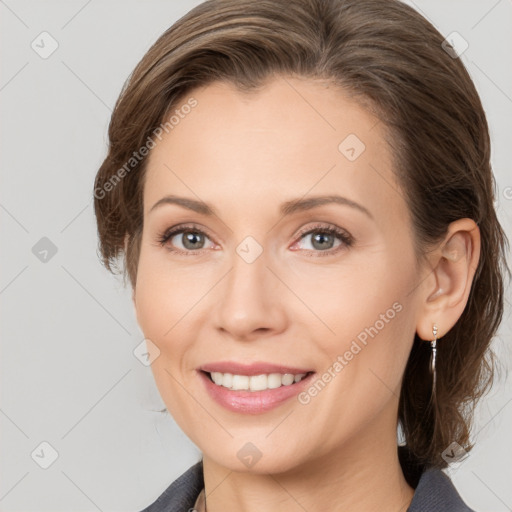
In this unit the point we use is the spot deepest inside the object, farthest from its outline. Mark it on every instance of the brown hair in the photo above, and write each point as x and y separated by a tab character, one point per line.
390	59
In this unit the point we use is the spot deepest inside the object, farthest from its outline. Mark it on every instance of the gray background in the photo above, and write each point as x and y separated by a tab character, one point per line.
68	374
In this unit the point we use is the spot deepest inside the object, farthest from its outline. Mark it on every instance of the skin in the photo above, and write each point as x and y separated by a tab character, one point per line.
245	154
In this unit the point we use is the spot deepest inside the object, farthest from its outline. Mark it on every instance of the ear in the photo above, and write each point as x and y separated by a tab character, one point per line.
444	292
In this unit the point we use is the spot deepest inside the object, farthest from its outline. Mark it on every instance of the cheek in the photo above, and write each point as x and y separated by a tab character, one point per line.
163	295
162	302
364	315
169	300
153	310
159	305
351	295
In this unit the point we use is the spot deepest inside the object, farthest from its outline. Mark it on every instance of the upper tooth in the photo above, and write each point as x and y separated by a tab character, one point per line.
288	379
217	377
258	382
227	380
274	380
239	382
255	382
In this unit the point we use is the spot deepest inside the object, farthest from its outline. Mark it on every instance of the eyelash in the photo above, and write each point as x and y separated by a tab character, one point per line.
346	239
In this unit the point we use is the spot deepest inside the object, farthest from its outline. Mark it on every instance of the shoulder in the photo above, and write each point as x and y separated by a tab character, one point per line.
182	493
436	492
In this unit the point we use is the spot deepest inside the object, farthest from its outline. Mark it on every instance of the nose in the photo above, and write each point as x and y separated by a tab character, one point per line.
250	302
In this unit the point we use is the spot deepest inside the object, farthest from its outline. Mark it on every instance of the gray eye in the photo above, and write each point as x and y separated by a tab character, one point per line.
191	240
322	241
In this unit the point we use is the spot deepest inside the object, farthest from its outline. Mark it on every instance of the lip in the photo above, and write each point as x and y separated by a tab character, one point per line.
256	368
253	402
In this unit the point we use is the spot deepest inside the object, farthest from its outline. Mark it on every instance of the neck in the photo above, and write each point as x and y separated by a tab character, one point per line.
363	475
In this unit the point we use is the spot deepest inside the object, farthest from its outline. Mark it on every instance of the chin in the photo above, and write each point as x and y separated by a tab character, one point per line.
256	457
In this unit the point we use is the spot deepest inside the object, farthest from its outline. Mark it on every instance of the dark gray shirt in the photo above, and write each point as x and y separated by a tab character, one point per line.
434	493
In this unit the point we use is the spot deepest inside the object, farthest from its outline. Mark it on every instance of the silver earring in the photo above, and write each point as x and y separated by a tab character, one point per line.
433	344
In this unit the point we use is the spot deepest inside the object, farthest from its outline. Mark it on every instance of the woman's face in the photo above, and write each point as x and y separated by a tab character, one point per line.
259	287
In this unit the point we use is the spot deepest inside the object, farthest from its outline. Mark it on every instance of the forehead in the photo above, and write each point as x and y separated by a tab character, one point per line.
285	139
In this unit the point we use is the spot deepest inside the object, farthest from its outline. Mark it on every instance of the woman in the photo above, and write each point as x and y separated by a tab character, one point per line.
303	195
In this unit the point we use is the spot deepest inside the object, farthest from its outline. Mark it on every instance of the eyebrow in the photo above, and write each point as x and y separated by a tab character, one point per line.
287	208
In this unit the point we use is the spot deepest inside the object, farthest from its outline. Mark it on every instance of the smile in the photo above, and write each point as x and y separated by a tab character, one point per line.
255	382
254	388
